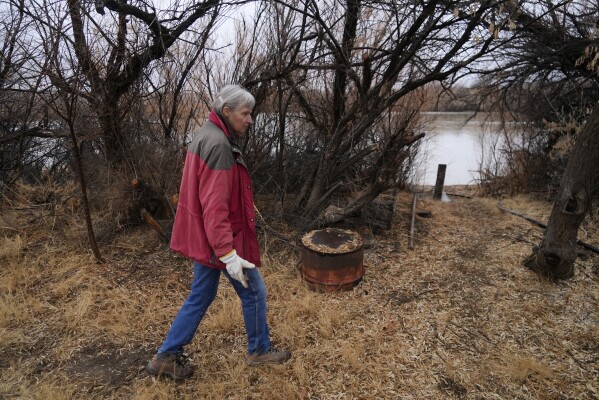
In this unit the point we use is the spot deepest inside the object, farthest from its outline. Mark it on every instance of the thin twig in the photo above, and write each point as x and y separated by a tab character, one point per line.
575	359
464	338
265	227
408	298
477	333
12	229
31	206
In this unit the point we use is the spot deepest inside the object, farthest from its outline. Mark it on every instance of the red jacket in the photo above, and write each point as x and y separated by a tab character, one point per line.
215	213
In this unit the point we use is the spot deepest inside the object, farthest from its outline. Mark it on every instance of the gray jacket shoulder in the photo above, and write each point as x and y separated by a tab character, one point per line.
213	147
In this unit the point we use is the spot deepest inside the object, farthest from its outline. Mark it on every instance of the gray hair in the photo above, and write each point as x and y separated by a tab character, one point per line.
234	97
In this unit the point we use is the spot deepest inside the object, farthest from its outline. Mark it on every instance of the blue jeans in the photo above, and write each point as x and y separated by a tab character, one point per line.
203	292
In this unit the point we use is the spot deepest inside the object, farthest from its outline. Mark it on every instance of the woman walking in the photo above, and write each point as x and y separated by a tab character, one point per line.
214	226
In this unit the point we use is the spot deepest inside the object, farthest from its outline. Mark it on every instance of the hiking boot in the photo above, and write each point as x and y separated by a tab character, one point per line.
169	365
272	356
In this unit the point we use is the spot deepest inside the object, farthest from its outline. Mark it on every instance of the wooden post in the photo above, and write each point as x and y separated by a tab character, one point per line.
413	221
440	182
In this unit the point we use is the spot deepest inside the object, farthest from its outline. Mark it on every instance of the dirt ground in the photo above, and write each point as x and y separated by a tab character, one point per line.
456	317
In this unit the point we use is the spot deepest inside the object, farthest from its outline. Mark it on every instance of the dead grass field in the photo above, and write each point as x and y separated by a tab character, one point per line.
458	317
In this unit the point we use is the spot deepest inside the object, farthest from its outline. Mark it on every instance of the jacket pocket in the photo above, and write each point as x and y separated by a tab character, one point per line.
238	242
236	227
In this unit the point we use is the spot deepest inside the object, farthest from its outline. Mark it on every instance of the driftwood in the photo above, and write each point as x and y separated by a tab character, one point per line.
542	225
458	195
154	224
412	223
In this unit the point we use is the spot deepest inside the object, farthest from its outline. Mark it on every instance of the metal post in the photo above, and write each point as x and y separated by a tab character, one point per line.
440	182
411	237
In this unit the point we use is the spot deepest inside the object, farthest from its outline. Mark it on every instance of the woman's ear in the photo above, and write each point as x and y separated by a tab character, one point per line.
226	111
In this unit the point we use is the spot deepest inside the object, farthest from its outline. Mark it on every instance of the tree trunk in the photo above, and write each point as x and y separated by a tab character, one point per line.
118	151
111	133
557	252
79	168
111	78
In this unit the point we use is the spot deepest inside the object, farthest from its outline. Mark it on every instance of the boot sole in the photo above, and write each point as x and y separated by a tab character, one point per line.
257	363
165	374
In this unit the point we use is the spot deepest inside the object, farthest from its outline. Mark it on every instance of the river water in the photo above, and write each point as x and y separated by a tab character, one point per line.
456	139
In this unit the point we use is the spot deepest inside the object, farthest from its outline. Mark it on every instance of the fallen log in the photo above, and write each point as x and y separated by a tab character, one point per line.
542	225
154	224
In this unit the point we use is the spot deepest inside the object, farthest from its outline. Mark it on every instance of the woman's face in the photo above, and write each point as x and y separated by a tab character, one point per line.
239	119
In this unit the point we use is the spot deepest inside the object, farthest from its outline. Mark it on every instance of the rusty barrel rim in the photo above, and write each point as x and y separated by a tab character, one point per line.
328	266
323	253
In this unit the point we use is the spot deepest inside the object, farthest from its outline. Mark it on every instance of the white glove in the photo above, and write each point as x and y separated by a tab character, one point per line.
235	266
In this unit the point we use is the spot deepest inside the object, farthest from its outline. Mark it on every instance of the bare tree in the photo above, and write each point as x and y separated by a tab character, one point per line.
547	75
69	114
21	123
337	70
557	252
112	46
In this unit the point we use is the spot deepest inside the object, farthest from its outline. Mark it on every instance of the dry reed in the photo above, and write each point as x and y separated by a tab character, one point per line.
457	317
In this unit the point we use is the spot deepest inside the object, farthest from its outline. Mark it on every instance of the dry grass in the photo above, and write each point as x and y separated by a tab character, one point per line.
458	317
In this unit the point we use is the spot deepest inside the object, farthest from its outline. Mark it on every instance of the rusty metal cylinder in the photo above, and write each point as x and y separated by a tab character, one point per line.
332	259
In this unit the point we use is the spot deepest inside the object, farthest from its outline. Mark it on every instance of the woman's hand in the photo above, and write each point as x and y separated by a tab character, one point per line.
235	266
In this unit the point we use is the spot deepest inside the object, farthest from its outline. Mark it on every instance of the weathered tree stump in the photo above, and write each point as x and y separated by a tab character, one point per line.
378	215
